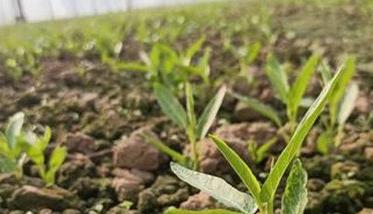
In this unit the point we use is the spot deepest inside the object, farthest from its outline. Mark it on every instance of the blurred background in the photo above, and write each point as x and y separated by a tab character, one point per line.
12	11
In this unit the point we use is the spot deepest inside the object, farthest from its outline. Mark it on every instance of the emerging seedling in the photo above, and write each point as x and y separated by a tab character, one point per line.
36	152
186	118
291	96
341	104
262	195
171	68
12	156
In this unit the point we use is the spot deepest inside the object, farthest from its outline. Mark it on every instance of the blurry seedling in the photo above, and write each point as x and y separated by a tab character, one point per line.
22	62
12	156
186	119
246	56
291	96
166	66
262	196
36	152
259	153
341	104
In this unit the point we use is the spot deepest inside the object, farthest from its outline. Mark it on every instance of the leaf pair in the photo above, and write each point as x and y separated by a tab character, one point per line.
291	96
176	112
186	118
341	104
263	195
35	151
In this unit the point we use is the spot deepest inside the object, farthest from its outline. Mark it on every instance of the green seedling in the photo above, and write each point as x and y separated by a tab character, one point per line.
12	156
36	152
262	196
291	96
341	105
246	56
259	153
186	119
169	67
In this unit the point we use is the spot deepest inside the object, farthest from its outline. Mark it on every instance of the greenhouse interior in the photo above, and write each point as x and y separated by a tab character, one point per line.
186	107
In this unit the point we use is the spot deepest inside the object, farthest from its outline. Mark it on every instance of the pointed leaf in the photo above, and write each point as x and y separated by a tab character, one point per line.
301	82
278	78
348	103
170	105
217	188
256	105
193	49
270	185
14	128
210	112
294	199
239	166
56	160
348	68
7	165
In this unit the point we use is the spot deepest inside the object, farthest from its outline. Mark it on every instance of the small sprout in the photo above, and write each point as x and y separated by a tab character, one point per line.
36	152
341	104
11	146
186	118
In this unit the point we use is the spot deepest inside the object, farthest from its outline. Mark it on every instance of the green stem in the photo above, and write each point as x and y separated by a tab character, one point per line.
193	143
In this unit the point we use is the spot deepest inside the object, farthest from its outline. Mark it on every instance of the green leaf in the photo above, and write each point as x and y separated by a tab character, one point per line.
262	151
7	165
299	87
252	52
266	110
170	105
193	49
348	103
270	185
14	128
210	112
348	70
173	210
131	66
176	156
217	188
56	160
240	167
278	78
190	105
324	142
326	73
294	199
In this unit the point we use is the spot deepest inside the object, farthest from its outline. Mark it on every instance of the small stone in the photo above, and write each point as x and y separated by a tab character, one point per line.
71	211
135	153
80	143
198	201
45	211
366	211
128	184
368	153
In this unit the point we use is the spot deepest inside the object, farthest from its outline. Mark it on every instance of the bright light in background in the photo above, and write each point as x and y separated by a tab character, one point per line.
38	10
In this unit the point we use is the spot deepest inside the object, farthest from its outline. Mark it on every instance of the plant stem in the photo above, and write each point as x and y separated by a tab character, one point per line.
193	143
266	208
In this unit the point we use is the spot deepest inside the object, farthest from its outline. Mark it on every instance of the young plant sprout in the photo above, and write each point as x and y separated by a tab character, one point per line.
16	146
291	96
12	156
35	150
341	104
186	119
167	66
262	196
